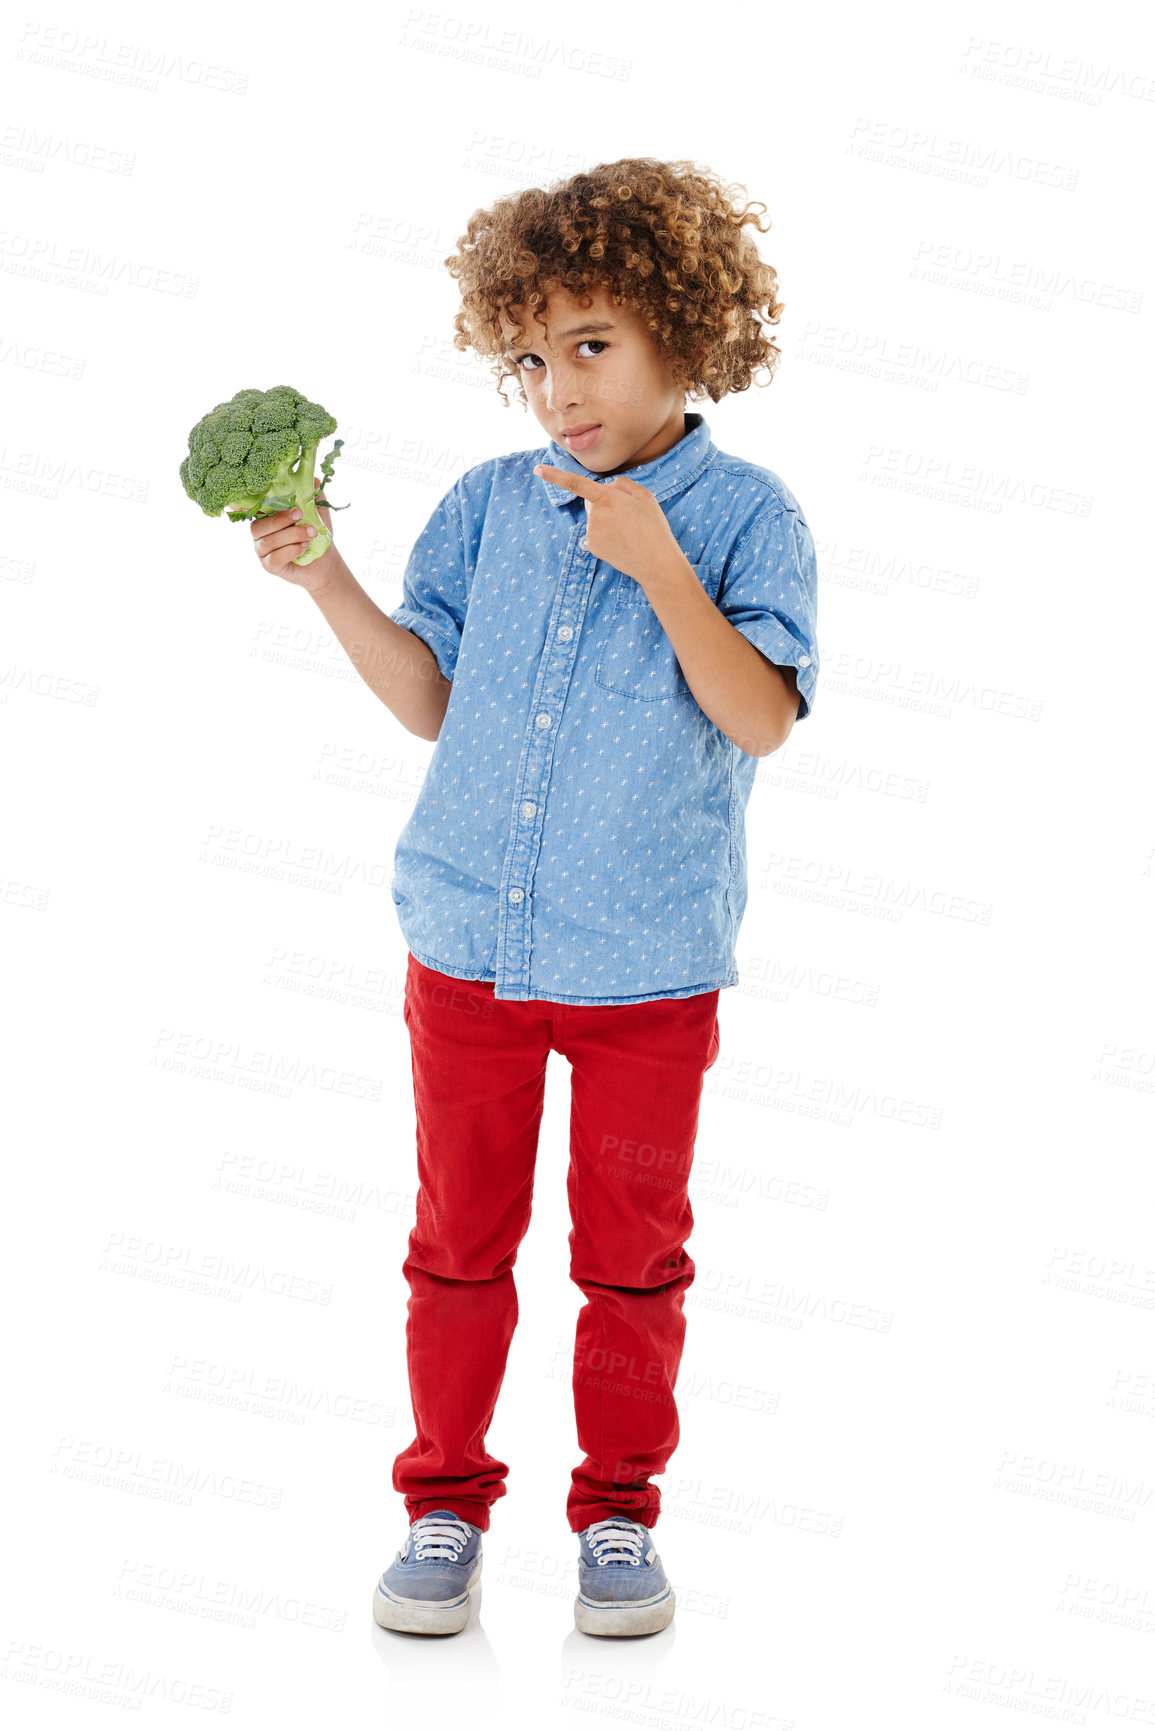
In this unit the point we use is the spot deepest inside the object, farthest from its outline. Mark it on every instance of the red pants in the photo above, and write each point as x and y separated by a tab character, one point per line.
479	1087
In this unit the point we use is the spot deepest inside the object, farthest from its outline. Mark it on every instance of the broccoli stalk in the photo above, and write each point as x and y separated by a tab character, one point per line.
293	486
256	455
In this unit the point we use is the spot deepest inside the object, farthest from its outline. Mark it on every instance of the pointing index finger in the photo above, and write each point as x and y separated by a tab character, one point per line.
561	478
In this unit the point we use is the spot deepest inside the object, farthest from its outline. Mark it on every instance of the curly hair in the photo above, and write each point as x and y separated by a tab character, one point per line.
664	238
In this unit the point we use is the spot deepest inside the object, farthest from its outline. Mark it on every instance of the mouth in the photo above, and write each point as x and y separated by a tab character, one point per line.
581	438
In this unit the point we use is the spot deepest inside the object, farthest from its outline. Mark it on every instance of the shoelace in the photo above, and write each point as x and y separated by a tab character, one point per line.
616	1541
439	1539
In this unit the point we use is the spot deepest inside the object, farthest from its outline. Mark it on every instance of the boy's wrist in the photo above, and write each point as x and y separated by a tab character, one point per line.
667	574
331	571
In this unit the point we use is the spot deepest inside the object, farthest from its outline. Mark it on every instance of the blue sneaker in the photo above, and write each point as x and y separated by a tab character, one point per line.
425	1590
622	1587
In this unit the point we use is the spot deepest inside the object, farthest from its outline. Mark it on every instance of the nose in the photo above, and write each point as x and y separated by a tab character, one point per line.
561	393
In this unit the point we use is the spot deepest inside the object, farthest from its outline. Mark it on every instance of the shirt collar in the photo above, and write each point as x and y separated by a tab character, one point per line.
670	473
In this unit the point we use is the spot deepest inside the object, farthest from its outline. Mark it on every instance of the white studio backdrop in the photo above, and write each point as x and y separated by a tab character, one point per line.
916	1481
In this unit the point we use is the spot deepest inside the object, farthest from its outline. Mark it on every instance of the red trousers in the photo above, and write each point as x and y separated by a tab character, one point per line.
479	1069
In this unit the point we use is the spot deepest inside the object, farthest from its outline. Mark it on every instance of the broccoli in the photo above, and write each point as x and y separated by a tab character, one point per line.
256	455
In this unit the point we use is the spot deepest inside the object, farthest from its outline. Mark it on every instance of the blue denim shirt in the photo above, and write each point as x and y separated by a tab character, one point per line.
580	832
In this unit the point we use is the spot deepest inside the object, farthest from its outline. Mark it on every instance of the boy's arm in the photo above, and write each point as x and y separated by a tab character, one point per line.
740	656
747	696
394	663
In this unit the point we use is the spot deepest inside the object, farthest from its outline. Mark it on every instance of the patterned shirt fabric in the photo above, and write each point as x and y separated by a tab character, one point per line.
580	832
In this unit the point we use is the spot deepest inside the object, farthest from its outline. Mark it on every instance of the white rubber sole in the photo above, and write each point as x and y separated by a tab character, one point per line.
643	1618
426	1616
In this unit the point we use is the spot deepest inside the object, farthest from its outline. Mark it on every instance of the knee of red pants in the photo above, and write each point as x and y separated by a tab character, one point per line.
450	1259
630	1274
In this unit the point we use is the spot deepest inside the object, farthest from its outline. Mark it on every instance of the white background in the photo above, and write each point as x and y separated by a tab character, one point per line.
916	1486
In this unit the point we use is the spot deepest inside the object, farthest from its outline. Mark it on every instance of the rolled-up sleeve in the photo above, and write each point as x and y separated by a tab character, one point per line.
769	592
435	587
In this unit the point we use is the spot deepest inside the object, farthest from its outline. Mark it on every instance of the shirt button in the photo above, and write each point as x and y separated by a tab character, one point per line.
543	719
565	632
527	808
804	661
516	895
584	545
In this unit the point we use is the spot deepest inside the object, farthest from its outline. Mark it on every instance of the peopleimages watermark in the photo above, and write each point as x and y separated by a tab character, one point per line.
118	62
120	1683
183	1266
1018	280
24	147
210	1058
1069	76
220	1599
962	159
1043	1694
127	1468
47	257
37	472
470	38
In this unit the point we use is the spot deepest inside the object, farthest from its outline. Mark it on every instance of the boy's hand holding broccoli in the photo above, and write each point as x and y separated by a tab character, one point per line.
279	540
253	457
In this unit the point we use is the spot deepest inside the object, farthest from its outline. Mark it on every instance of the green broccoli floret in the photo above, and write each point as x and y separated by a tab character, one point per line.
256	455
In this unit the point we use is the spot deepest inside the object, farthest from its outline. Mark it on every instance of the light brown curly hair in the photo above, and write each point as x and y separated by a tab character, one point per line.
664	238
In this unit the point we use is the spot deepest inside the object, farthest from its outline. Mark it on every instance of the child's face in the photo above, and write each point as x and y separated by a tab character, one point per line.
615	379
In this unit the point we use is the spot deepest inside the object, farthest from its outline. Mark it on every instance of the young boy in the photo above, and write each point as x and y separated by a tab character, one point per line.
603	636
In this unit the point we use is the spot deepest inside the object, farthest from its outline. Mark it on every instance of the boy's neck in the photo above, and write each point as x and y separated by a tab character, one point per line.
670	434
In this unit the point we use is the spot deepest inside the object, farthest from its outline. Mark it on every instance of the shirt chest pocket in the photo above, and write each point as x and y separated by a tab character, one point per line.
637	658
